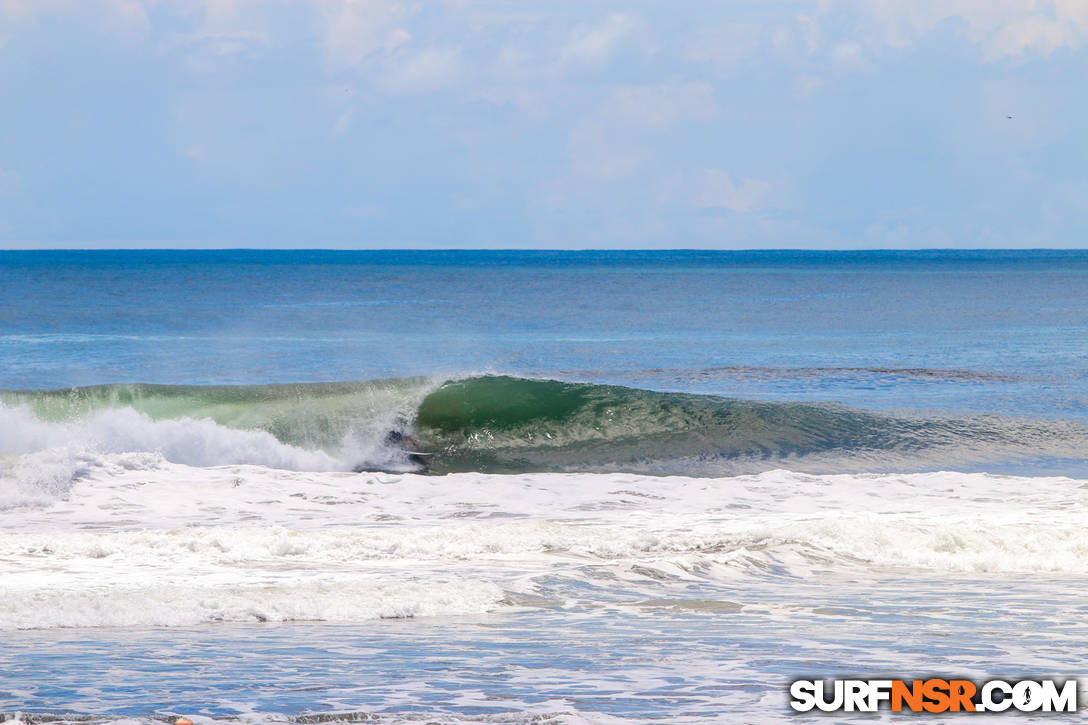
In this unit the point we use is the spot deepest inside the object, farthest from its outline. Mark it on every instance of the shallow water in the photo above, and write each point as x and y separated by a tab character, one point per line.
655	661
577	597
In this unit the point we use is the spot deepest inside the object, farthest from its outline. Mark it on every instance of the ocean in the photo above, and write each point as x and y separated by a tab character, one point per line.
534	487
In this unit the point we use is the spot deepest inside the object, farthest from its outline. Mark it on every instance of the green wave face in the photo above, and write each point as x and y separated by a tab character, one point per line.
504	424
498	424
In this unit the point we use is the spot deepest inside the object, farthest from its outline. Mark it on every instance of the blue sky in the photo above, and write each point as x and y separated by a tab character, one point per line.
373	123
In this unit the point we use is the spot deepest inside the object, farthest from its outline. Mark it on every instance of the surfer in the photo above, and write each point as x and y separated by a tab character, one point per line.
398	440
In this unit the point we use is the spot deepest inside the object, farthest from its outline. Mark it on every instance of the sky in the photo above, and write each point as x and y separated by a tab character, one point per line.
828	124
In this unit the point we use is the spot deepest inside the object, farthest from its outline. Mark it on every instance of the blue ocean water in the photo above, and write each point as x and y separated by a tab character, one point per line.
992	330
919	335
533	487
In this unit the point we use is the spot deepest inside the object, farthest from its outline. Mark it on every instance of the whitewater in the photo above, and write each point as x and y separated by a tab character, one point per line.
137	544
647	488
139	541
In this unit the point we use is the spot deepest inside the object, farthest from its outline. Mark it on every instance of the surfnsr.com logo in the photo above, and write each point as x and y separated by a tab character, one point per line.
934	695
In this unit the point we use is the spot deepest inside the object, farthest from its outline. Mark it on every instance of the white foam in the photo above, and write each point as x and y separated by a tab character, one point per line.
85	595
40	460
140	540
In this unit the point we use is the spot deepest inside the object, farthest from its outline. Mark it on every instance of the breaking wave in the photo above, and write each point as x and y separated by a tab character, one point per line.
500	424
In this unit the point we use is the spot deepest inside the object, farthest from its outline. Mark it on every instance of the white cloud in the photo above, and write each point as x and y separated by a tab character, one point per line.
357	29
209	51
848	52
127	17
850	33
662	105
593	45
613	141
426	70
15	10
529	100
715	189
354	30
196	153
372	35
130	14
727	46
1000	28
343	123
228	32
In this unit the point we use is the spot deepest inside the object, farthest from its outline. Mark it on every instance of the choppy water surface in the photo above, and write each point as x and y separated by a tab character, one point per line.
625	486
571	596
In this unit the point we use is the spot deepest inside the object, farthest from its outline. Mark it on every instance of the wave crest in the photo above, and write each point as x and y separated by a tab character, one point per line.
501	424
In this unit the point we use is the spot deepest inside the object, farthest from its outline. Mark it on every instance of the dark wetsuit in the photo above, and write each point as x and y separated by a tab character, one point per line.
397	439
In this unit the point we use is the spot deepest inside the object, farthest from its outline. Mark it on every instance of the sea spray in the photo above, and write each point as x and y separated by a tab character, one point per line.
504	424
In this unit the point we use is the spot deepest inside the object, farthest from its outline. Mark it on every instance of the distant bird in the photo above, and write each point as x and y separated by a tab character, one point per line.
1009	116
